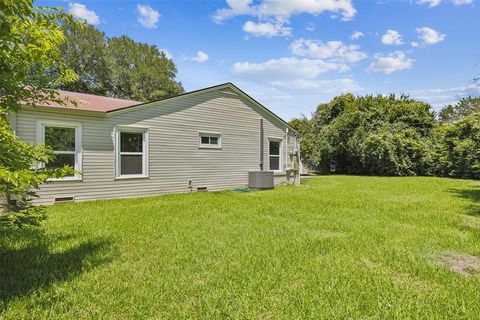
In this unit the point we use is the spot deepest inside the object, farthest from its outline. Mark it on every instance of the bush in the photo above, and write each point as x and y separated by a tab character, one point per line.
392	136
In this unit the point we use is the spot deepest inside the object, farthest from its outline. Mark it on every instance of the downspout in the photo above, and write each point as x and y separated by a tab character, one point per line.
299	163
286	149
261	144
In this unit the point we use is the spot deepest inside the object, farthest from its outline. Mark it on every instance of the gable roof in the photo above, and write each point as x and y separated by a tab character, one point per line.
91	102
112	106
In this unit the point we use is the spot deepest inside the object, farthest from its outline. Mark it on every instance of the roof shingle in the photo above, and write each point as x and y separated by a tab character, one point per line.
92	102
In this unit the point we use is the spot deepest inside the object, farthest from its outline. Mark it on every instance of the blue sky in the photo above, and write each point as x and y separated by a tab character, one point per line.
292	55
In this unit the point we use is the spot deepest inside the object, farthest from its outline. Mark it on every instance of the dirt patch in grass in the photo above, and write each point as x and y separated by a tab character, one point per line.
463	264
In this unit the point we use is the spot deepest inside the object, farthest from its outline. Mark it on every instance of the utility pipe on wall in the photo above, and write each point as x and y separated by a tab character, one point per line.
286	149
261	144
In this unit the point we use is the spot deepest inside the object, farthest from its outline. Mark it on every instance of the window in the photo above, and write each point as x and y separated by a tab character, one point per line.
65	140
132	146
210	140
274	155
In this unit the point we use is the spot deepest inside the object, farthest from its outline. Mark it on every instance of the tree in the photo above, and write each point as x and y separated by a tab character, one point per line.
461	147
140	71
29	40
85	51
463	108
116	67
372	135
29	48
304	127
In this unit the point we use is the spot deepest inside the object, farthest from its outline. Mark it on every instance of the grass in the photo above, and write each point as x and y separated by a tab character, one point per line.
336	247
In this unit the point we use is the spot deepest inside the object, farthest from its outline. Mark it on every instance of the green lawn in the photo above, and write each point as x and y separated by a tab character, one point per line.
336	247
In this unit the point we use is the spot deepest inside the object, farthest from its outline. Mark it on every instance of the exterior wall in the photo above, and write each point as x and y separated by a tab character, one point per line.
174	153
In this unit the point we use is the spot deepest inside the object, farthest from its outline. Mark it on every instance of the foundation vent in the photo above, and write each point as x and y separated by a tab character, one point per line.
63	199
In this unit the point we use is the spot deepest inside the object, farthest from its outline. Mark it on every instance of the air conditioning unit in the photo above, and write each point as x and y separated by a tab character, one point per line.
262	180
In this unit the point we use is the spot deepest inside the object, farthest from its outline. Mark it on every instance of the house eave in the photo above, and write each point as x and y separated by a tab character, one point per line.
91	113
227	85
65	110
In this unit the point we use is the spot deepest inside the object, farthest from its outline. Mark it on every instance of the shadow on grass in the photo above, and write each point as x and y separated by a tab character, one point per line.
28	263
470	194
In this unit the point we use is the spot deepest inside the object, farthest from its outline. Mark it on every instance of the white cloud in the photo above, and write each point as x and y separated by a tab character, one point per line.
147	16
430	3
282	10
305	86
392	37
389	63
235	8
266	29
332	50
357	35
434	3
461	2
283	69
301	75
430	36
443	96
80	11
200	57
414	44
293	77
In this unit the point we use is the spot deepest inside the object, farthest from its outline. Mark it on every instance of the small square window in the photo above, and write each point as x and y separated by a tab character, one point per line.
210	140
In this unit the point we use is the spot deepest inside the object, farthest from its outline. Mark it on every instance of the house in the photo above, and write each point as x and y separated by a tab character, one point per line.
207	139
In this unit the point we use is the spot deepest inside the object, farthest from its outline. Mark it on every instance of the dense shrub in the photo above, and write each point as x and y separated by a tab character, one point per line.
461	142
393	136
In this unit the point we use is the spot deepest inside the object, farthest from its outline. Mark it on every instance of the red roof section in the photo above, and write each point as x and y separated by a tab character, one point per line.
92	102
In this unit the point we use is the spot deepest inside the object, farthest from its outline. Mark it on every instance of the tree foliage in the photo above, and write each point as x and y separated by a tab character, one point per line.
140	71
29	49
307	146
29	40
117	66
465	107
460	150
399	136
85	52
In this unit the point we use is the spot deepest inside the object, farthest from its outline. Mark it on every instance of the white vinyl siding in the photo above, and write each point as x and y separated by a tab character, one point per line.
174	156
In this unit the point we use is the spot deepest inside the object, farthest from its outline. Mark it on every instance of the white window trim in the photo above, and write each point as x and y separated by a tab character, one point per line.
41	124
145	153
280	156
209	134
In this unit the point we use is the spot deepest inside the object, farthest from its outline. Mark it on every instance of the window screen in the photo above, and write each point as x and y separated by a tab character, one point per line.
274	155
132	153
210	140
62	141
